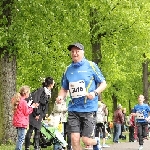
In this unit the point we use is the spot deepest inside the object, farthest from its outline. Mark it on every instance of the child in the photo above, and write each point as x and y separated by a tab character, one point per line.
141	111
21	110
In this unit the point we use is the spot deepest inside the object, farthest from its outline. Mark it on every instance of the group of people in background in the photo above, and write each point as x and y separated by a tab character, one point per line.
78	107
28	112
138	122
84	81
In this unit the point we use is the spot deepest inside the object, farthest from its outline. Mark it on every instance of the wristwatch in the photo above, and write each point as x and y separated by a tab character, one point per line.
96	94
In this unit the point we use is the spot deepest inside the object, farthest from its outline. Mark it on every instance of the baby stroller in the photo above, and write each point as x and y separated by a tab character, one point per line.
50	135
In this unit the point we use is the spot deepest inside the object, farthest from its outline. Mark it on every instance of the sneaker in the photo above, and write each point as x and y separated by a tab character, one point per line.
97	146
105	145
140	147
116	142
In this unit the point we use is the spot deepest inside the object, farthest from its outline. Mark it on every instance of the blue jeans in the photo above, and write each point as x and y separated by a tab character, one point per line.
57	146
117	132
21	137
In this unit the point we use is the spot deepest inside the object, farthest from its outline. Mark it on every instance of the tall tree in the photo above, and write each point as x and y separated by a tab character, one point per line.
115	37
146	82
7	72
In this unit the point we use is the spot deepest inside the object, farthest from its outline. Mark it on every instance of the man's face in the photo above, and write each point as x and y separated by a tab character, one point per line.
141	99
76	54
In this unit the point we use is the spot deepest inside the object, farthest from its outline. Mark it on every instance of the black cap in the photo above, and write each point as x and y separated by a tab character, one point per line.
79	45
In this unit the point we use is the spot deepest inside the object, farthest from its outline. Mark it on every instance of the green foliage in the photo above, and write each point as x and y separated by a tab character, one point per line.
41	31
12	147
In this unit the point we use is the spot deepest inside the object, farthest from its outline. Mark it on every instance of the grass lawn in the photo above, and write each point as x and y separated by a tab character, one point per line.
109	141
12	147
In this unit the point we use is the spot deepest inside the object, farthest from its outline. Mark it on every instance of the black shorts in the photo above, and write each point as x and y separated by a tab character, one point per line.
100	127
82	122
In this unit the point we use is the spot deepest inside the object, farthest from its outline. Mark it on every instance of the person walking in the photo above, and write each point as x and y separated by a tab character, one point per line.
118	121
141	111
85	82
21	111
101	121
60	111
123	125
41	96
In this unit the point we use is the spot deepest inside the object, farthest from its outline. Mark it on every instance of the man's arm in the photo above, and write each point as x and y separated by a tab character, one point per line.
100	80
61	95
101	87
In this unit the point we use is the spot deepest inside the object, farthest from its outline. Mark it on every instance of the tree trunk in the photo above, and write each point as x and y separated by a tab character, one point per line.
145	81
130	106
95	40
7	77
53	98
114	98
7	90
96	53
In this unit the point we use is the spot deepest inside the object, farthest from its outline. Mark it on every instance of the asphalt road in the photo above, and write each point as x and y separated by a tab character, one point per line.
128	146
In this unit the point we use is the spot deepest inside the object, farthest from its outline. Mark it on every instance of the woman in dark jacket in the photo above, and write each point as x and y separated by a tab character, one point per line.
41	96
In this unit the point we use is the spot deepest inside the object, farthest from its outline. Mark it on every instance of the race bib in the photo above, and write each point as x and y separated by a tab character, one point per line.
77	89
140	116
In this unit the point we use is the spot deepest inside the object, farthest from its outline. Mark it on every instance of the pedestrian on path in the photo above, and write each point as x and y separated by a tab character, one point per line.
141	111
118	121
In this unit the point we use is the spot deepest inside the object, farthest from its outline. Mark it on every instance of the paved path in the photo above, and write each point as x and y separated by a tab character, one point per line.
128	146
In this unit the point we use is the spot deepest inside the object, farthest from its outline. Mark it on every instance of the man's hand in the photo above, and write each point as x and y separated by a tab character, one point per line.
35	105
37	118
59	99
90	95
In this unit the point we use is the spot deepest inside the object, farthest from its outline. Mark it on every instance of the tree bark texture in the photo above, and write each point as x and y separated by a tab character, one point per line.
145	81
114	98
7	77
95	40
7	90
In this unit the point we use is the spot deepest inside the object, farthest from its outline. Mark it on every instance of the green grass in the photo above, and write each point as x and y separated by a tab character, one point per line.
12	147
109	141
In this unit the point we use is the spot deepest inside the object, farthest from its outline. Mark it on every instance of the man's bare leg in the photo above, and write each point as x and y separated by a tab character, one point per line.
75	141
89	141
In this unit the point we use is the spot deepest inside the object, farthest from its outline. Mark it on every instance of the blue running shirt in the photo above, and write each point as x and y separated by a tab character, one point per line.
80	78
143	110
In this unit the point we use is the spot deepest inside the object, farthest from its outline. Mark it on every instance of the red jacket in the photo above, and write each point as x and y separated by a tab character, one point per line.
21	115
132	121
118	116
